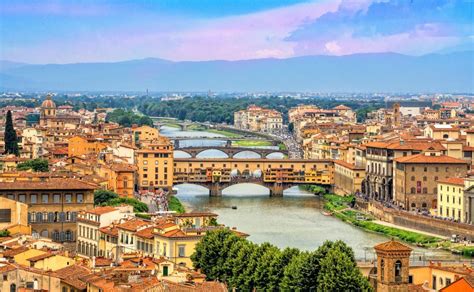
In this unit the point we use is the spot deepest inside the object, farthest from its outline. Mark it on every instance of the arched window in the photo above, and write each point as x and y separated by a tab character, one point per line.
423	205
413	205
44	233
382	270
12	288
445	136
413	190
398	271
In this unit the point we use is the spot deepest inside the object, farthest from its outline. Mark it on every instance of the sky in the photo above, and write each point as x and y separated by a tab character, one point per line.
67	31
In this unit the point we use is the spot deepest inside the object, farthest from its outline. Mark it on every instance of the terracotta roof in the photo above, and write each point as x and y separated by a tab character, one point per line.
133	225
109	230
51	184
392	245
407	145
422	158
6	267
452	181
207	286
40	257
102	262
341	107
145	233
348	165
72	275
101	210
13	252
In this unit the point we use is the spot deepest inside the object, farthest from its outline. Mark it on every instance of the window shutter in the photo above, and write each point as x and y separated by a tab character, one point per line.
62	217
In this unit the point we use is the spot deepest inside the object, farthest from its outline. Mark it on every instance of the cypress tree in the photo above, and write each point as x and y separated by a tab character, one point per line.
11	140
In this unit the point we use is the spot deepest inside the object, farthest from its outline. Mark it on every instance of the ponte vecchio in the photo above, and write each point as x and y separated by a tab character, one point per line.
277	175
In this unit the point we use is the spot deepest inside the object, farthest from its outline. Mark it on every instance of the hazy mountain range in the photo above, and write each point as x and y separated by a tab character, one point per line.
381	72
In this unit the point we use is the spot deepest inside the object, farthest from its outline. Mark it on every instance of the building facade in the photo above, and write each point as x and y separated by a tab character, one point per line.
53	204
416	177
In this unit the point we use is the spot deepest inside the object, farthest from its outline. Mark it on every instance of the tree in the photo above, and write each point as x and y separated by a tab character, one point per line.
238	279
103	196
211	252
10	138
37	165
291	127
277	267
340	273
262	272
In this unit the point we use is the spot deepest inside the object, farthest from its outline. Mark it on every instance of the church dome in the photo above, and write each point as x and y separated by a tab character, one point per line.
48	102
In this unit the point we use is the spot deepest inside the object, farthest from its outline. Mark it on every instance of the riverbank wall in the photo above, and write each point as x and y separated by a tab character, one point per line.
418	222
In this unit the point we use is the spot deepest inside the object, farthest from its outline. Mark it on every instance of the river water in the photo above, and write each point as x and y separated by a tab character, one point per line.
294	220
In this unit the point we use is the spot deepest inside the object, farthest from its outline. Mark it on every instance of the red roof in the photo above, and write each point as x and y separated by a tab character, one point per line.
101	210
452	181
422	158
392	245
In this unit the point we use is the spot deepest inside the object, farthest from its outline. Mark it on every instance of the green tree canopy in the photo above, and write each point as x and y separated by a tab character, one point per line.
37	165
104	196
339	272
10	138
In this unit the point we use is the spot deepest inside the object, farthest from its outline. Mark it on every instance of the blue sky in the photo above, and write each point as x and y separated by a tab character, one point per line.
94	31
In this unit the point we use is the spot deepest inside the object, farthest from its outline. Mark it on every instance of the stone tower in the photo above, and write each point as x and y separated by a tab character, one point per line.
397	115
48	110
393	260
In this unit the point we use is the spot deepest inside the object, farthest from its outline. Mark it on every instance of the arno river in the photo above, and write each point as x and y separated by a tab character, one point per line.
294	220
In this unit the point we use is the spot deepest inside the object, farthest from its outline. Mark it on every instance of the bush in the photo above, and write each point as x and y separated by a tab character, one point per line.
103	196
37	165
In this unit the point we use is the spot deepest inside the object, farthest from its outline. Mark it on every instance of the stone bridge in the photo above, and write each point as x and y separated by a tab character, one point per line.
277	175
276	188
231	151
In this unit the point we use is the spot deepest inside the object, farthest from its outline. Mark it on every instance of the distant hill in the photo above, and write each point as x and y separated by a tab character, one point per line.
382	72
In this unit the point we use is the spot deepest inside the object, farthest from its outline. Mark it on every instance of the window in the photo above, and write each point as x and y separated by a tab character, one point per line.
22	198
398	271
412	178
425	190
33	199
44	198
80	198
425	169
11	197
68	198
382	269
5	215
424	178
181	250
413	190
57	198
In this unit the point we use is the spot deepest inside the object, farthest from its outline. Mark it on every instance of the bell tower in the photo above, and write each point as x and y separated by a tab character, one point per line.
48	110
393	259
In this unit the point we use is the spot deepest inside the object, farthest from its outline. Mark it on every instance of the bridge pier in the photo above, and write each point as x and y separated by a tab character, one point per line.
276	190
215	190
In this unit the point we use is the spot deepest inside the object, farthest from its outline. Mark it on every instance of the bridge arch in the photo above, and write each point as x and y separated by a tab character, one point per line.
211	153
247	154
275	155
181	154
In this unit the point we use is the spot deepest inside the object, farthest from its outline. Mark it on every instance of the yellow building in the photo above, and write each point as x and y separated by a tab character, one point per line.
441	131
451	198
175	244
438	276
14	217
22	258
50	261
155	165
120	177
347	178
79	145
144	133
